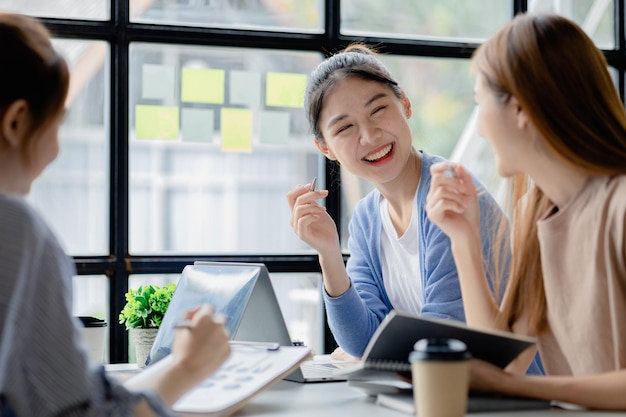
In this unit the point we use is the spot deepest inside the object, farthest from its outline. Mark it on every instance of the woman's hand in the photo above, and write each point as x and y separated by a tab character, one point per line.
202	345
486	377
341	355
310	221
452	201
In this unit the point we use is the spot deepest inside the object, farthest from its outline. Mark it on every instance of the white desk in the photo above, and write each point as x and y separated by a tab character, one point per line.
337	399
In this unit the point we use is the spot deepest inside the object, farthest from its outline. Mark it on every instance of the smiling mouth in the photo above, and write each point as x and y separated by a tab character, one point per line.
377	156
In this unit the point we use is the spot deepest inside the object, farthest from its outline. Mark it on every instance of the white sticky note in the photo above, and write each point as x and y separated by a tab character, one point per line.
245	88
157	82
274	127
197	125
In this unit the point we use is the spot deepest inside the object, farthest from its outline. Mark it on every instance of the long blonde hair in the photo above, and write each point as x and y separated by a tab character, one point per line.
561	81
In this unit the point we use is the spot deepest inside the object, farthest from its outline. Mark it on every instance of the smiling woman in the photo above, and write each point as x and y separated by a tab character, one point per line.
359	117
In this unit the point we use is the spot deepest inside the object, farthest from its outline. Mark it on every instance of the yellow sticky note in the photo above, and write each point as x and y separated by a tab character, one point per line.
202	86
156	122
285	89
236	129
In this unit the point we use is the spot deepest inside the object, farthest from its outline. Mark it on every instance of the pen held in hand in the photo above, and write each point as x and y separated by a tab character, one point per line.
451	171
271	346
182	324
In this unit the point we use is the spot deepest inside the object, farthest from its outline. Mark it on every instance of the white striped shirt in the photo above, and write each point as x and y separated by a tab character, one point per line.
44	369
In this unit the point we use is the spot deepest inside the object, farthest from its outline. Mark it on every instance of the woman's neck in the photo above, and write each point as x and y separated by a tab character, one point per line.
559	180
401	193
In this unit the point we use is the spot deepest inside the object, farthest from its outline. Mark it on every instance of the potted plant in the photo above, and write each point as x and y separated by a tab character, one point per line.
143	314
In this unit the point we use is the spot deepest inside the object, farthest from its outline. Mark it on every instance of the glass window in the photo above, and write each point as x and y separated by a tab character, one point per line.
62	9
594	16
218	136
91	299
300	298
441	94
441	19
73	192
284	15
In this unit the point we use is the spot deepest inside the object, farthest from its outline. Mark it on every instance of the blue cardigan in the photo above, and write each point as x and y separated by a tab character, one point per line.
354	316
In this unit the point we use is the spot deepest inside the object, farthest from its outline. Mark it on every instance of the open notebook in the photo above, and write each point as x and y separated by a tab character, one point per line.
243	293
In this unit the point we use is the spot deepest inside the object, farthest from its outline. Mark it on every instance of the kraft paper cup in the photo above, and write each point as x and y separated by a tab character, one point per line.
440	372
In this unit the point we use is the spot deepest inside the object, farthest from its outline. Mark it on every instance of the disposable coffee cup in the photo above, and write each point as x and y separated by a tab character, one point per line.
440	373
94	335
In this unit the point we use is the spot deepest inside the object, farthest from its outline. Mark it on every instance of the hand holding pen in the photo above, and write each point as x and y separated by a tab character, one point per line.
203	344
452	201
309	218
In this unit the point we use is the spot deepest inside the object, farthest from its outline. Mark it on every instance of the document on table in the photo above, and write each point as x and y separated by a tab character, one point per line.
249	370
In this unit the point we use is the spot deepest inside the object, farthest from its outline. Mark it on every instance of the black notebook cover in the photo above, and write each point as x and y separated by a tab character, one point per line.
391	344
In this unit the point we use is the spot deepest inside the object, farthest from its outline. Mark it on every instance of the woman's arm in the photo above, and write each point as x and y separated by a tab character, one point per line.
198	351
314	226
452	204
601	391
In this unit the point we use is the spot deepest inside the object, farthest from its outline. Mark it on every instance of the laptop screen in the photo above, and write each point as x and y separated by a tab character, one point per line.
242	292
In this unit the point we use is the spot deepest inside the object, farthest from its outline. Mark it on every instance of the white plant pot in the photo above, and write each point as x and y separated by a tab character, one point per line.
143	339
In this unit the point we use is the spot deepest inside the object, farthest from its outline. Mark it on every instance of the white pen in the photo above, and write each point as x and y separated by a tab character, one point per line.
184	323
253	344
312	186
451	171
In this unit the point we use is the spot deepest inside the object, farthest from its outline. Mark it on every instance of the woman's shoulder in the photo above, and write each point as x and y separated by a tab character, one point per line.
429	159
613	192
368	202
19	219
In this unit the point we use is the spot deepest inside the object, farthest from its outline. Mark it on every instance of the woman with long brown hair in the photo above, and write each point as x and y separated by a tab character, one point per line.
550	111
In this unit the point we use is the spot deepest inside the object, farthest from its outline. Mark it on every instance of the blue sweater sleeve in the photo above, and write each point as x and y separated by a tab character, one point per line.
354	316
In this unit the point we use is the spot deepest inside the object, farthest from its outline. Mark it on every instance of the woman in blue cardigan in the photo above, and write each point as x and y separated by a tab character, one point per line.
398	259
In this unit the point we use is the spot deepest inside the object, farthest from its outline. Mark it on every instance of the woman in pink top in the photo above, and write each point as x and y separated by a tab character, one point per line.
550	111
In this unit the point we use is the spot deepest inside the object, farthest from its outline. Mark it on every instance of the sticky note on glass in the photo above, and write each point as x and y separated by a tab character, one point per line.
156	122
157	82
202	86
245	88
236	129
274	127
285	89
197	125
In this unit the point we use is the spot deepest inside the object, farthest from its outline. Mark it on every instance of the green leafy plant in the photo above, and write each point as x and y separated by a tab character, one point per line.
146	306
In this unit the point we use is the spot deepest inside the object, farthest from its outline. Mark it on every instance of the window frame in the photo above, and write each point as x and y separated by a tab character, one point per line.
119	32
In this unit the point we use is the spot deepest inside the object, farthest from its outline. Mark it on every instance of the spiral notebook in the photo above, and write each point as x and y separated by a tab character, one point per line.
389	348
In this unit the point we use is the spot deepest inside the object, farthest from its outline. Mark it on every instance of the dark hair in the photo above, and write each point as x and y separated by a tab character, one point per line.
357	60
560	79
31	69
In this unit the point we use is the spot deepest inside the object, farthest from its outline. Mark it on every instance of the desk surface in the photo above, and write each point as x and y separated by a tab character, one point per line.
337	399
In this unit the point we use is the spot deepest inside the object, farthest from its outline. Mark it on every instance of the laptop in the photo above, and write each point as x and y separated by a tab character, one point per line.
243	293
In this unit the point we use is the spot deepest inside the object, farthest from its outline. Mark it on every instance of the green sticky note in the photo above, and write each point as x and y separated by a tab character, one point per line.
202	86
236	127
156	122
197	125
285	89
274	127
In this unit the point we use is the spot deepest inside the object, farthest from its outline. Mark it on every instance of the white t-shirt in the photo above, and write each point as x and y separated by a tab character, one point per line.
401	264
